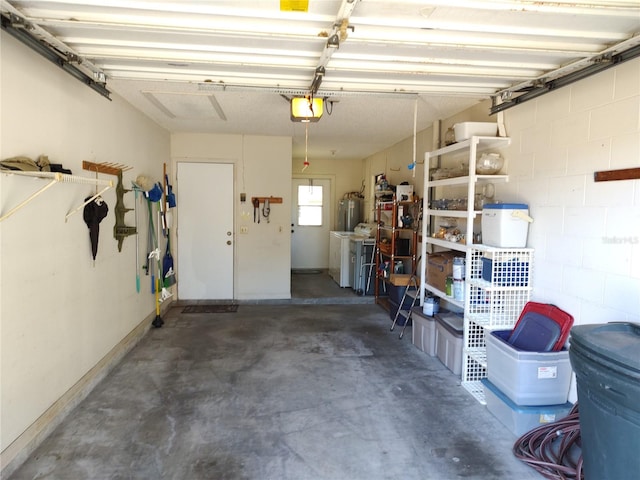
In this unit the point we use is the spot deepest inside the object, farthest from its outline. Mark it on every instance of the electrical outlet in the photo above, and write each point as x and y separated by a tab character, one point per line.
244	229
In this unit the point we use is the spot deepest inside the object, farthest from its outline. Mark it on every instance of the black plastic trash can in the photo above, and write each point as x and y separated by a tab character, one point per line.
606	361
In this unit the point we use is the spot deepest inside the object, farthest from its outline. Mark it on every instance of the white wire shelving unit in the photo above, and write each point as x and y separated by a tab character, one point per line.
498	286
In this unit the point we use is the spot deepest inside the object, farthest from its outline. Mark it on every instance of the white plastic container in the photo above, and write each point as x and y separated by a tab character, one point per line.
404	193
463	131
430	306
527	378
521	419
505	225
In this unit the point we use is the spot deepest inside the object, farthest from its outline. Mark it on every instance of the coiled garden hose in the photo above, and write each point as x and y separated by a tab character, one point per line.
554	449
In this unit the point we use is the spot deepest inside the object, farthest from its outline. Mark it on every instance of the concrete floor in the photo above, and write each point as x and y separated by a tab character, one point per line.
310	389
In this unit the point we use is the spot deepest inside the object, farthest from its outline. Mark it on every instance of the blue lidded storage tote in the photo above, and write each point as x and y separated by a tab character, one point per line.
606	360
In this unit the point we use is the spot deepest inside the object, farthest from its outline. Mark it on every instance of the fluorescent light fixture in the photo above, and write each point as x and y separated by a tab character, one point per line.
306	109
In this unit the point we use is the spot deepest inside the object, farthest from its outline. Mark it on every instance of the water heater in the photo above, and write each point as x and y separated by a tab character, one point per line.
349	214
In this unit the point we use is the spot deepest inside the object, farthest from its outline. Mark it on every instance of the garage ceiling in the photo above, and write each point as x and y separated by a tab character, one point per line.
229	66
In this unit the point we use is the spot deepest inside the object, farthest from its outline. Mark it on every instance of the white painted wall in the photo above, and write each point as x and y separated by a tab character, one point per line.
59	314
262	169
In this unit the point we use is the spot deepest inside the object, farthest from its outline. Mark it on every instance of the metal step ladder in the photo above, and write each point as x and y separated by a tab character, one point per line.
406	313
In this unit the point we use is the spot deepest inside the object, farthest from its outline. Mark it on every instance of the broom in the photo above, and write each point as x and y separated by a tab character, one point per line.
158	321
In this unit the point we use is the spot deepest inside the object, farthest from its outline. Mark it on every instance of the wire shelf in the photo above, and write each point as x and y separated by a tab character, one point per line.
479	356
475	389
498	288
496	308
473	371
474	335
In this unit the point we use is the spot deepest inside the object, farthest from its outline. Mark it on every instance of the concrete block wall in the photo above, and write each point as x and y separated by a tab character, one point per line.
586	234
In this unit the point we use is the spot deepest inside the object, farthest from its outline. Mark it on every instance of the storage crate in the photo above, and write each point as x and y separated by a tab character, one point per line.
450	327
527	378
512	273
424	331
517	418
402	279
498	295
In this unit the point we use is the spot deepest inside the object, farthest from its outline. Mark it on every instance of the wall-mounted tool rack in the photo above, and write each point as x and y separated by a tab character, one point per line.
54	178
272	200
120	230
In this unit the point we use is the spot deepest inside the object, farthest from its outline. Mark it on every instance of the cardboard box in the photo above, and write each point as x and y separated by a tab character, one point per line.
402	279
439	267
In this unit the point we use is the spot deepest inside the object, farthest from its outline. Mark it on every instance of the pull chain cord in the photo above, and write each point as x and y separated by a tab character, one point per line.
306	146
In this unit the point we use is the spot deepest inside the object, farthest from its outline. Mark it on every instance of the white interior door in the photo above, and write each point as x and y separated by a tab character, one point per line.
310	223
205	231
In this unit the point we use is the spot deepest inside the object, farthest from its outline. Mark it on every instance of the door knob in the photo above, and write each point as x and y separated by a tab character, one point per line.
228	234
228	242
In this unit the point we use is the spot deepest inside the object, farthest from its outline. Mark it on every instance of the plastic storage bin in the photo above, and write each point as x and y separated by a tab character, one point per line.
505	225
463	131
393	309
397	291
527	378
606	359
517	418
449	340
424	331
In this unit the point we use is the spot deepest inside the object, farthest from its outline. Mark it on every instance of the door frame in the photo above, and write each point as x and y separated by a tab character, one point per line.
175	234
332	195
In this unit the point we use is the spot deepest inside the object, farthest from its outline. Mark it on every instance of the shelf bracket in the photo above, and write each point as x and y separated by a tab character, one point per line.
29	199
53	177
